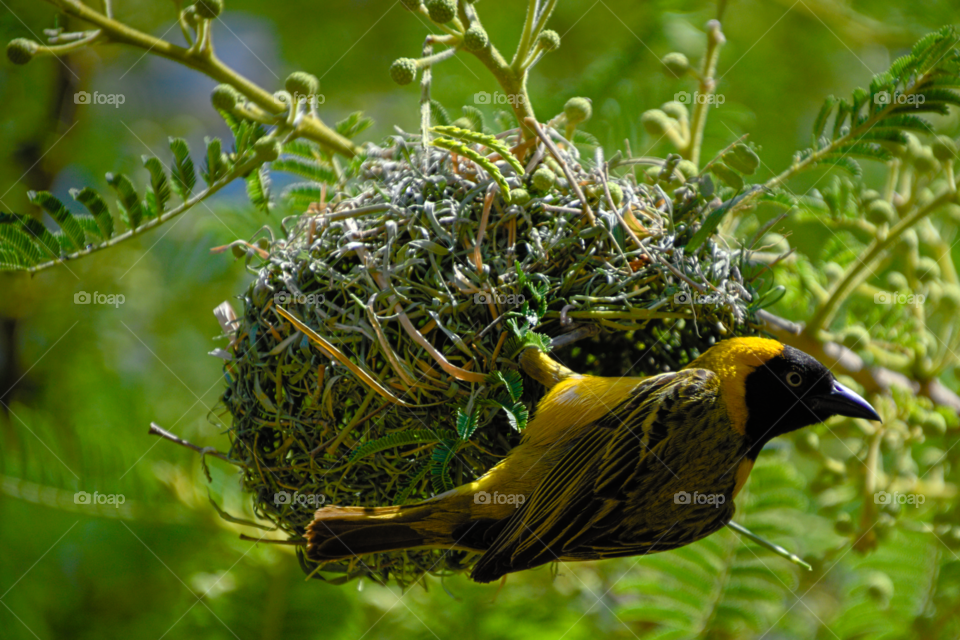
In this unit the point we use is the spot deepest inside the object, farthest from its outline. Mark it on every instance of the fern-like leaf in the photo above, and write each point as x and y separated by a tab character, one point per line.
400	439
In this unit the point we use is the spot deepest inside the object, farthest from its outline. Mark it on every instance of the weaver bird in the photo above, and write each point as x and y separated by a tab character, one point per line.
610	467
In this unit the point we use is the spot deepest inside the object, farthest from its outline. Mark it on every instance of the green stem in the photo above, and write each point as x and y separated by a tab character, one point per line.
715	40
855	272
206	63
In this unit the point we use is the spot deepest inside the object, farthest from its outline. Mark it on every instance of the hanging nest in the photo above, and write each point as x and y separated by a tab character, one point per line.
421	278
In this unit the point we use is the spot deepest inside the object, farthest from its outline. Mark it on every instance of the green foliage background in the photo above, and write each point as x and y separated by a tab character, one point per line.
87	380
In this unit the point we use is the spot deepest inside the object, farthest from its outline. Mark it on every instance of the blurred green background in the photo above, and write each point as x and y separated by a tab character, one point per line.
79	384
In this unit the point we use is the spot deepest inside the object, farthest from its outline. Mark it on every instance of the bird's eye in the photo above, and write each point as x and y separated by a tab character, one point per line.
794	379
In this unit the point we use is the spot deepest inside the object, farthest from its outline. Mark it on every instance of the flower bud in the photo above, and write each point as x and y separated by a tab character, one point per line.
519	196
944	148
675	64
267	149
441	11
302	83
543	179
21	50
578	110
676	110
475	38
224	97
403	70
656	122
548	40
743	159
208	9
616	193
411	5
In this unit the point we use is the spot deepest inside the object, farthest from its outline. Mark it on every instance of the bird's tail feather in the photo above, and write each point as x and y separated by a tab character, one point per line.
343	532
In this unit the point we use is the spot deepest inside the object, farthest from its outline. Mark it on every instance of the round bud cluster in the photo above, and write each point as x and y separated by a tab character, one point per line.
519	196
656	122
403	70
442	11
543	179
208	9
267	149
224	97
616	193
578	110
301	83
676	64
475	38
548	40
21	50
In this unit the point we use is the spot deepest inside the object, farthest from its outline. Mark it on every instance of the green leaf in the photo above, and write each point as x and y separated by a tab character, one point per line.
821	122
400	439
258	188
475	116
98	209
127	201
18	245
184	175
311	170
438	114
443	455
68	223
302	194
215	166
466	424
159	185
354	124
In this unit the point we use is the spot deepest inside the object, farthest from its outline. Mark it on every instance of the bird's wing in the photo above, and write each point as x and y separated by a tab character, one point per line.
586	484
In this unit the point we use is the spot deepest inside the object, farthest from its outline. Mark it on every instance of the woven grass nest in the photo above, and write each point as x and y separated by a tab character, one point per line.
421	275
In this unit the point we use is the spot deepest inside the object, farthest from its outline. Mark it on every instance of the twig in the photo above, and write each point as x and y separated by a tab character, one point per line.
157	430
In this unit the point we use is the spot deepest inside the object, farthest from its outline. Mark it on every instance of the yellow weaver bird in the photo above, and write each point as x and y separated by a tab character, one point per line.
610	467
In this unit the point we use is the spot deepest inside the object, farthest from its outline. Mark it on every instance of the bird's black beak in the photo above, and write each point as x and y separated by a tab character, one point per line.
842	401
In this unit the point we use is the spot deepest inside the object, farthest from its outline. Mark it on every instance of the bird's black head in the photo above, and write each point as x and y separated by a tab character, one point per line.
793	390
